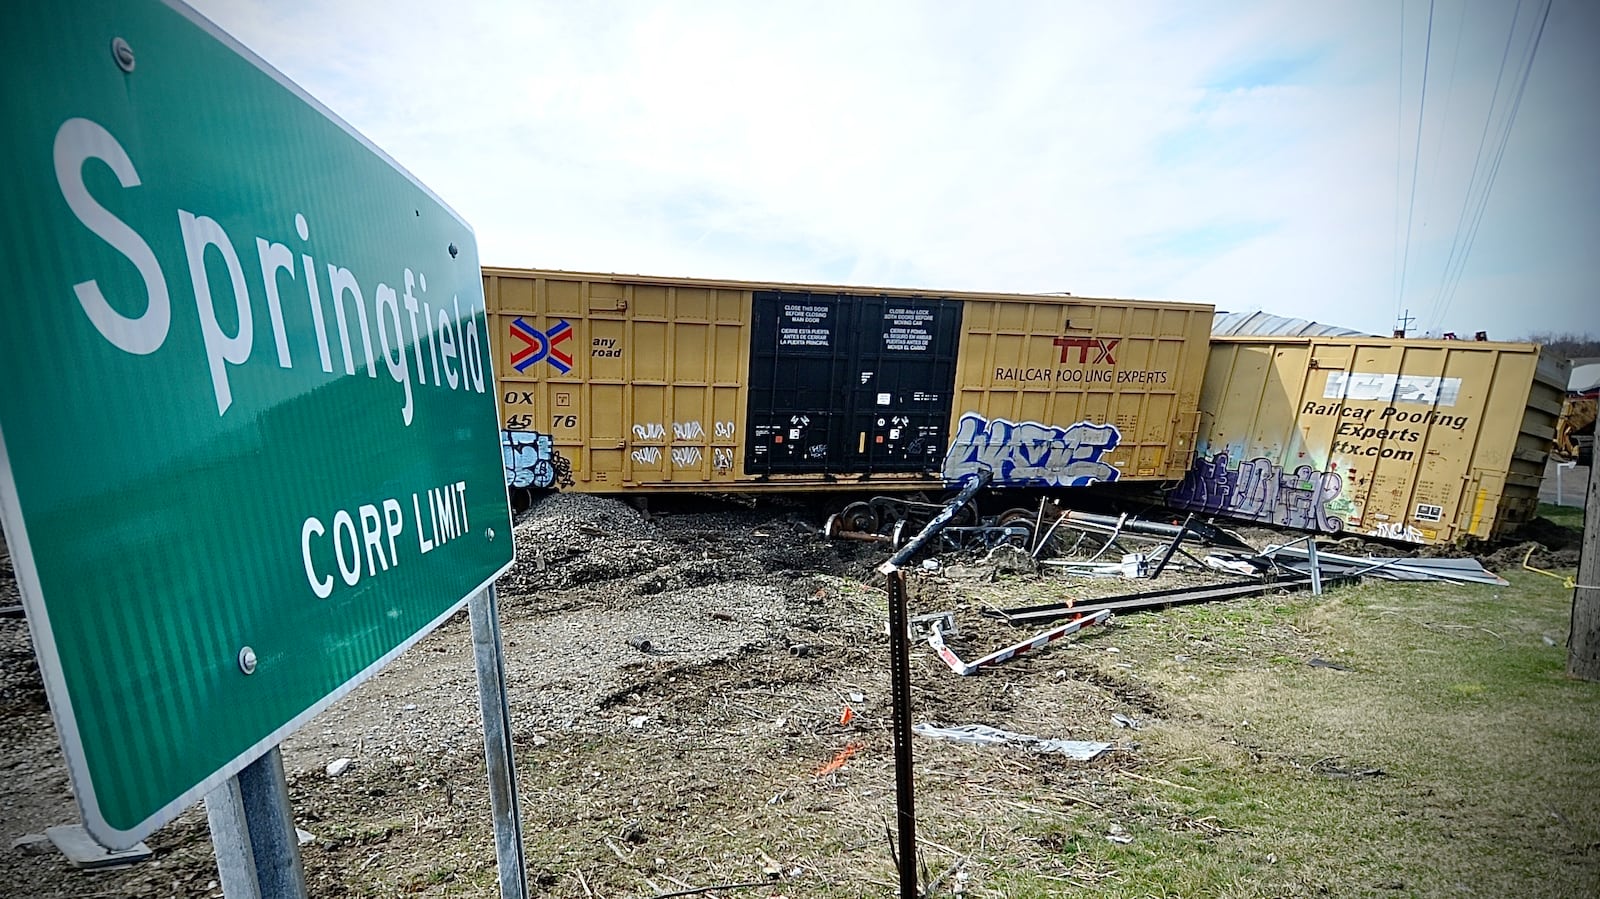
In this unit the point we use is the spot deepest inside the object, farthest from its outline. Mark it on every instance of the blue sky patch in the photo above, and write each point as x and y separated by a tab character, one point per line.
1210	240
1265	72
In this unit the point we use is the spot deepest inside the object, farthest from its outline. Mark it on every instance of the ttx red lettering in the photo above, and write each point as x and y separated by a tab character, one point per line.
1084	344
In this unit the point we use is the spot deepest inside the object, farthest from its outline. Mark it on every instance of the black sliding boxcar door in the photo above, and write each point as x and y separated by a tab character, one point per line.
797	363
905	374
850	384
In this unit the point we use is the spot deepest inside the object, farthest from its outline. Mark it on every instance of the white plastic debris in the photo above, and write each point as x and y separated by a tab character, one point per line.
984	735
33	844
1230	564
339	766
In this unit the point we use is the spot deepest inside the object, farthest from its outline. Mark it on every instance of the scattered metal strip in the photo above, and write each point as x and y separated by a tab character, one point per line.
1398	568
1137	602
1042	542
1202	531
936	641
1111	541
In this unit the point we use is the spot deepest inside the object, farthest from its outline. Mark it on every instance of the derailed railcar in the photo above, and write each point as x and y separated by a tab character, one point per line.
1424	441
623	383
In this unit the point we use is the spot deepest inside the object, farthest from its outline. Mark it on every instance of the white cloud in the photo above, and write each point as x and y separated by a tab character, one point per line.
1245	158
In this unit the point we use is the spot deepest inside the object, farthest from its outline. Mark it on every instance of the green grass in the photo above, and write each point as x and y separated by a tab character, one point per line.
1566	516
1455	759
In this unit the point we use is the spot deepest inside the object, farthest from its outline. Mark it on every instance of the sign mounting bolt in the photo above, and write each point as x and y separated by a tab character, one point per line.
122	53
247	660
489	533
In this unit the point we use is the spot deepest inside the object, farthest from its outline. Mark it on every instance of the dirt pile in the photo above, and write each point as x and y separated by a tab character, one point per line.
623	601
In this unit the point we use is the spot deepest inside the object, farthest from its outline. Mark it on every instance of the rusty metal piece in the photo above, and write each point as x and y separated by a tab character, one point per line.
834	529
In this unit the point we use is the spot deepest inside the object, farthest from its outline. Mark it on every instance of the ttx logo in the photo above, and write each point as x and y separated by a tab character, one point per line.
1083	345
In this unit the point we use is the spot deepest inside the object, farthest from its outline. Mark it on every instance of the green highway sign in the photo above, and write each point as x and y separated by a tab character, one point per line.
249	448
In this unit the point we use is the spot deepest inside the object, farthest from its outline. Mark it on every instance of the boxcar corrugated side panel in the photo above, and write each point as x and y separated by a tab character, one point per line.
619	382
606	385
1111	387
1414	440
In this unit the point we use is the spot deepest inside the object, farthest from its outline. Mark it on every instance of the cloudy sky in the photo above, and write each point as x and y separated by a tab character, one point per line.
1254	155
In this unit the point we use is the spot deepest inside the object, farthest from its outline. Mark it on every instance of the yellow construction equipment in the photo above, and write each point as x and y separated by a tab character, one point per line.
1575	424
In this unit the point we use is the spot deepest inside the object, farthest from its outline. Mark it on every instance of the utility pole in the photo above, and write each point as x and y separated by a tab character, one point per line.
1583	646
1403	324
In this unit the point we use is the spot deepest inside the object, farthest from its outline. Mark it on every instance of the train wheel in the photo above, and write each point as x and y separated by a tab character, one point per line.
902	533
1018	518
859	517
888	510
521	499
966	516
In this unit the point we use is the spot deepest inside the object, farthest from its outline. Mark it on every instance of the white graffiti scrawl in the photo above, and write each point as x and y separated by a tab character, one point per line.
1397	530
1030	454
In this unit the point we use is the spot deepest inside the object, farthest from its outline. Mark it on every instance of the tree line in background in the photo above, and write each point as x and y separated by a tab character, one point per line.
1573	346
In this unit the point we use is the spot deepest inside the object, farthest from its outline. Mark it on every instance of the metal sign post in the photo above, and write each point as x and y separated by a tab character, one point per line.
900	681
253	833
489	656
904	780
252	825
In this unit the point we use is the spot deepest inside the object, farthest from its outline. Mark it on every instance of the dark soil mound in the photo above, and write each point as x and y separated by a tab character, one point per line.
1548	534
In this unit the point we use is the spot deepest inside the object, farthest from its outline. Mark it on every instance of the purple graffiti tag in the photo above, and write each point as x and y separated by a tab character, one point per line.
1260	490
1208	486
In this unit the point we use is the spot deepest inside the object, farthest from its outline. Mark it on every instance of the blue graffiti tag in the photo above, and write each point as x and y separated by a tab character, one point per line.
1260	490
531	460
1030	454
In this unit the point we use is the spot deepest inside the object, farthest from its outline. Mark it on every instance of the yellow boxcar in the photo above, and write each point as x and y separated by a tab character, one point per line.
1425	441
616	383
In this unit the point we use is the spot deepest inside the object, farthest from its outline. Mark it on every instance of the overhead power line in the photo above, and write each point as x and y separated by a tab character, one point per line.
1449	97
1422	105
1399	155
1451	279
1434	307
